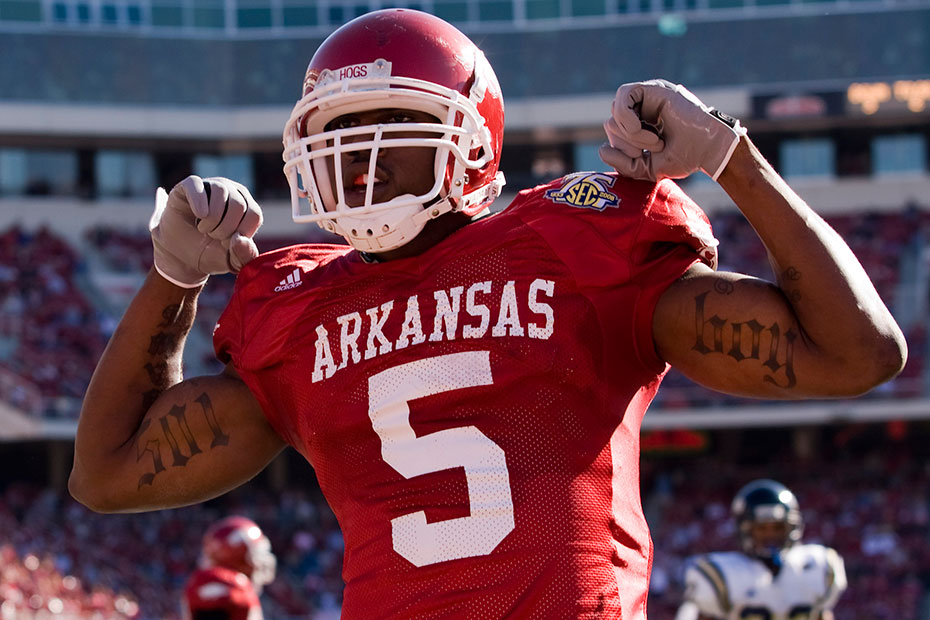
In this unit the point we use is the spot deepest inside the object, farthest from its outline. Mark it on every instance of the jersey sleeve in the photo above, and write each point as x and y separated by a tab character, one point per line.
834	579
613	233
255	307
706	588
251	310
674	235
227	333
231	342
257	324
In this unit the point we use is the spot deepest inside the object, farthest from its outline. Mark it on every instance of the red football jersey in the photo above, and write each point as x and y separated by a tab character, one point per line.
473	413
221	588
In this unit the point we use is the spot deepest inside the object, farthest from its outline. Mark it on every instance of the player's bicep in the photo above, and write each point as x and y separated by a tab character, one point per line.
201	438
736	334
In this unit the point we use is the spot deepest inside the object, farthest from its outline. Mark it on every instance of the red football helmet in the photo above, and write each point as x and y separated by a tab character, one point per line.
219	592
238	543
395	59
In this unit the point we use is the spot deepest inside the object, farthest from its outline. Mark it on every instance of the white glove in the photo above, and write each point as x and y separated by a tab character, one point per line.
659	130
203	226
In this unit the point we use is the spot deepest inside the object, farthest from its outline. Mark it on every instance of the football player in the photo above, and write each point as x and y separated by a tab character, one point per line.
236	562
775	576
468	386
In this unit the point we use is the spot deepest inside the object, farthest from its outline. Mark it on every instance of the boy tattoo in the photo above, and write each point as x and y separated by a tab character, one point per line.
747	340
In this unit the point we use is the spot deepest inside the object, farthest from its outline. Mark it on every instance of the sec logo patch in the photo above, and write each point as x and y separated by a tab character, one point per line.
587	190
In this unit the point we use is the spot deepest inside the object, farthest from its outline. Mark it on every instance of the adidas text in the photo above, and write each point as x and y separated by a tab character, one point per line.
291	281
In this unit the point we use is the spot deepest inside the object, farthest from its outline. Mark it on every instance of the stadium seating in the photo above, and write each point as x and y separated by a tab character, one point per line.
53	335
874	512
51	331
882	240
52	549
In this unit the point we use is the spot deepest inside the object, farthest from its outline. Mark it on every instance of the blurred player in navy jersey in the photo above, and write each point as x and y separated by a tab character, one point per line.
236	563
775	576
468	386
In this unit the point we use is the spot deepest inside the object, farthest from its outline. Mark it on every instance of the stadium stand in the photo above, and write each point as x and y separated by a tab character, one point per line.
782	42
879	528
885	244
882	240
52	332
874	512
51	547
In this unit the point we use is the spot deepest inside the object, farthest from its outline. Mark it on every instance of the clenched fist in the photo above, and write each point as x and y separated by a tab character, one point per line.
204	226
660	130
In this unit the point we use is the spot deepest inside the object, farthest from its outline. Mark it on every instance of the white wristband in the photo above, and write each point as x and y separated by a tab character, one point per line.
178	282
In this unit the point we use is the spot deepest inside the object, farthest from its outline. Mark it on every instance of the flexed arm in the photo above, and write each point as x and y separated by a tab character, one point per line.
145	438
820	330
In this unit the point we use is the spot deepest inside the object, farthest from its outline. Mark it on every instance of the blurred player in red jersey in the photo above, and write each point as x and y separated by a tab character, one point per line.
468	386
235	564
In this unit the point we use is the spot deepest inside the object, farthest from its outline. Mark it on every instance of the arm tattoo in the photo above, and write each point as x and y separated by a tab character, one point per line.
170	315
164	345
724	287
174	430
151	451
171	432
792	274
158	374
747	341
788	282
219	437
180	418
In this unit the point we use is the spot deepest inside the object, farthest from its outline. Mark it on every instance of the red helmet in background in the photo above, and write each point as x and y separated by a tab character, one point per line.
239	544
395	59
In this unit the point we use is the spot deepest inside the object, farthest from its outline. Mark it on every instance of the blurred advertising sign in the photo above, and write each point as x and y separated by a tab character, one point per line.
798	105
882	97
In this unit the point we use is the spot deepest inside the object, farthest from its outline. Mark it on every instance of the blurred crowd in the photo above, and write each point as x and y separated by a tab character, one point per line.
871	505
50	334
58	560
54	323
57	557
890	246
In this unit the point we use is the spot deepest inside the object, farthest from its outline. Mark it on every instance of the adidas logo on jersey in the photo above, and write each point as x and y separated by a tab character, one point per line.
291	281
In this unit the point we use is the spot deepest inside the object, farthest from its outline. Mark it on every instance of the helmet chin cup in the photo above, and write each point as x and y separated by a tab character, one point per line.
394	224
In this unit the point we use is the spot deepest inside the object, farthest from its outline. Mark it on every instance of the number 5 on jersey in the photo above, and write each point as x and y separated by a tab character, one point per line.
389	394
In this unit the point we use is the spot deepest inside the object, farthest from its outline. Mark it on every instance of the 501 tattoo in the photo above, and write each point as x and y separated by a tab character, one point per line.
172	430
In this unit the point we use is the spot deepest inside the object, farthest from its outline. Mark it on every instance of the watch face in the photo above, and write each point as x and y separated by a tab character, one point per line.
726	119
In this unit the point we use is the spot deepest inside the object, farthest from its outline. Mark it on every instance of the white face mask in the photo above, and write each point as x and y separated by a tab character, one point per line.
264	562
380	226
